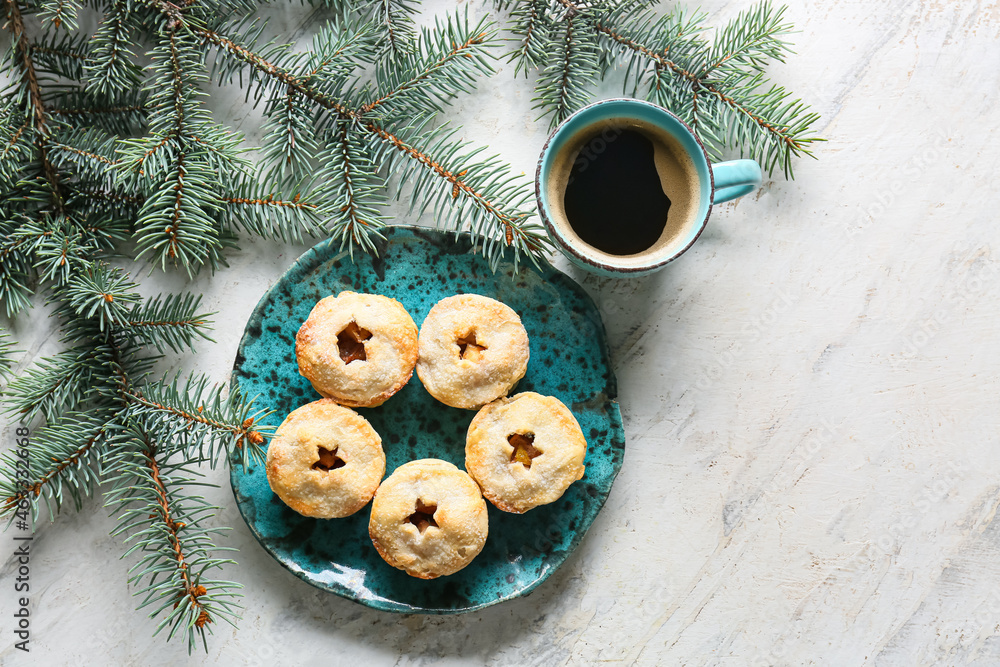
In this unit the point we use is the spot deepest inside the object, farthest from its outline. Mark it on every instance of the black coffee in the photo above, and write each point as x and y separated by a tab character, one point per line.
614	196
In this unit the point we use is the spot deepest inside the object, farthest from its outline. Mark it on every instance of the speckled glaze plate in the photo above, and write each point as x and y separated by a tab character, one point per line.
569	360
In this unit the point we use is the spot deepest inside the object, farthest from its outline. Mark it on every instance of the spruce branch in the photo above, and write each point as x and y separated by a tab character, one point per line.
172	322
58	384
718	88
395	18
357	188
65	460
202	420
564	84
469	193
111	67
272	216
30	94
102	293
527	24
391	20
55	244
6	354
481	195
146	438
177	221
88	155
165	524
178	163
15	271
752	39
16	134
62	54
290	138
443	64
60	13
120	115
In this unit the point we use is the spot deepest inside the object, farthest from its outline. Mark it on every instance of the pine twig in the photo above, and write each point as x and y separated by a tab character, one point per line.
65	460
6	354
480	201
719	89
22	50
202	420
164	524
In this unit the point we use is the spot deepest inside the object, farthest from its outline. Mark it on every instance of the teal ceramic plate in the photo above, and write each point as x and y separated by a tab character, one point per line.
569	360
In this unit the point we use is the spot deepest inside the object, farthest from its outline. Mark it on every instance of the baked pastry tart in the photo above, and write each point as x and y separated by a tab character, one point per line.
358	349
325	460
473	350
428	519
524	451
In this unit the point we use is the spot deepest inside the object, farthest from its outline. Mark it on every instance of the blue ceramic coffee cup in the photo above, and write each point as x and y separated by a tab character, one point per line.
587	133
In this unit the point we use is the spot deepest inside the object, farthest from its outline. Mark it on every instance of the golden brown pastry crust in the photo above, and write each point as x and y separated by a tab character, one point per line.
292	453
510	485
460	515
484	374
391	350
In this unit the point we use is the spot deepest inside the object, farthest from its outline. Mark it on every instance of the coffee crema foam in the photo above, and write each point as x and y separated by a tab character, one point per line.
678	178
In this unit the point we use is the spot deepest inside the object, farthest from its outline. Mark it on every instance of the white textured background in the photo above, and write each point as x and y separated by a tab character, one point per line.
809	394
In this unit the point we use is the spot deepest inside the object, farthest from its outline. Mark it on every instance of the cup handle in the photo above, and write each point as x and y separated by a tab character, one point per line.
734	179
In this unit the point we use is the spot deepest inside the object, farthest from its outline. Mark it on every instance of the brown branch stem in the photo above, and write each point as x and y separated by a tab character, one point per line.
286	78
696	81
175	221
36	488
269	201
60	52
241	431
110	196
458	185
81	112
190	589
564	84
662	60
351	205
163	142
456	51
531	28
247	56
15	23
387	6
164	323
81	153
